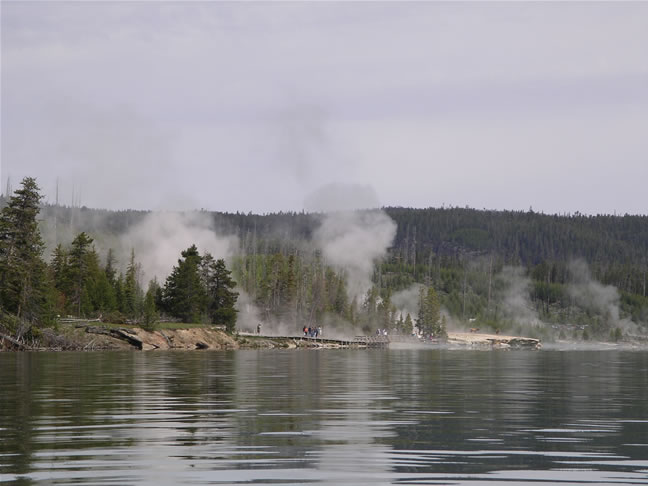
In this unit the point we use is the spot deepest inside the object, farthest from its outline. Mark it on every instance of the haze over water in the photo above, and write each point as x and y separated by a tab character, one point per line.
326	417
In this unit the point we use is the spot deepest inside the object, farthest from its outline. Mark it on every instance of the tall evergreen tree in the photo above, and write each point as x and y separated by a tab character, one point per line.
131	289
221	296
23	275
102	291
149	313
429	319
408	325
59	272
119	293
289	290
80	267
183	295
109	270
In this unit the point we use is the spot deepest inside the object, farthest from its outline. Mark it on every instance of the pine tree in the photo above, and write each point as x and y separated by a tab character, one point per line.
131	289
384	313
103	293
78	273
150	314
408	325
59	273
23	273
289	290
59	265
221	296
111	273
96	285
119	294
184	294
429	320
341	303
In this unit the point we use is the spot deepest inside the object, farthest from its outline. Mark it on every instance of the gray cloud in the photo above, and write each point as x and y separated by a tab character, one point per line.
252	106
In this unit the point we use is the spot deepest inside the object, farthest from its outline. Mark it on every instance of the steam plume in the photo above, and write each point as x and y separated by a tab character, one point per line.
516	302
592	295
407	301
161	236
352	240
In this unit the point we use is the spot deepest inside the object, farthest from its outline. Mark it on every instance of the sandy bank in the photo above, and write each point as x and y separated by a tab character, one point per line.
491	341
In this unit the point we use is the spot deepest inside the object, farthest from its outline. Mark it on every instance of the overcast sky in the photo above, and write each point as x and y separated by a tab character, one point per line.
283	106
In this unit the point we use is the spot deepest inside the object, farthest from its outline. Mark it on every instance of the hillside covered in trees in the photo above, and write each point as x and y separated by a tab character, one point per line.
551	275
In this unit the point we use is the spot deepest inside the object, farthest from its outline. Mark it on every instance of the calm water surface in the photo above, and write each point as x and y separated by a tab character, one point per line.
328	417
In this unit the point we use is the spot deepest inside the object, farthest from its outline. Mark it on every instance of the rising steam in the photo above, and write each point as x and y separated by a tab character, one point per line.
516	304
407	300
161	236
354	241
592	295
349	238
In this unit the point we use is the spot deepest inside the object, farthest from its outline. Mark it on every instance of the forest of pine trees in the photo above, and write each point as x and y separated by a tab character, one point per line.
35	293
467	266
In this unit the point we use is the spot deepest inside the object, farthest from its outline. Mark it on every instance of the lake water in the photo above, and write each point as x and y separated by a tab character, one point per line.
343	417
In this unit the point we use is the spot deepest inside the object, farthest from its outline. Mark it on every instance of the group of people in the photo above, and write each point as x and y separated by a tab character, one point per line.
309	331
312	331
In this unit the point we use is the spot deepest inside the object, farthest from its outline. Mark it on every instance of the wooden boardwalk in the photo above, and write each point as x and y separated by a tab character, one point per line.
454	340
355	342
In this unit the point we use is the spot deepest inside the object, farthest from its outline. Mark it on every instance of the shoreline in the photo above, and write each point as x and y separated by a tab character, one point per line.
92	337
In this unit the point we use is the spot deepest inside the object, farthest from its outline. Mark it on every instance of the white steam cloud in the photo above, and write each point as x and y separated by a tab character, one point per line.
516	304
590	294
161	236
407	300
354	241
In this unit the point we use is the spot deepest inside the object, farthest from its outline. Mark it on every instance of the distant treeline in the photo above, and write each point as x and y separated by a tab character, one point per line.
518	237
35	293
615	247
462	253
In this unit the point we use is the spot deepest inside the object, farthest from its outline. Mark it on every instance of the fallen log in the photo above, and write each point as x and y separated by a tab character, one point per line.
121	334
124	335
16	343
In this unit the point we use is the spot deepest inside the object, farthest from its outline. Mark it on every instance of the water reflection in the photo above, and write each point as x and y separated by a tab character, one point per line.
334	417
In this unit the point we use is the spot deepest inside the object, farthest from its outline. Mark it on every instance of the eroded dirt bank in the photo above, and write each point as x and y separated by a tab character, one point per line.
92	337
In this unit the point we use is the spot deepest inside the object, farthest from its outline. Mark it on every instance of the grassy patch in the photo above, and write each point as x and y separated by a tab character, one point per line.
159	325
180	325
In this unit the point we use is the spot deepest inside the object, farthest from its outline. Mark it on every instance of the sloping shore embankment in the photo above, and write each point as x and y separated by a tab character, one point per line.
90	337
